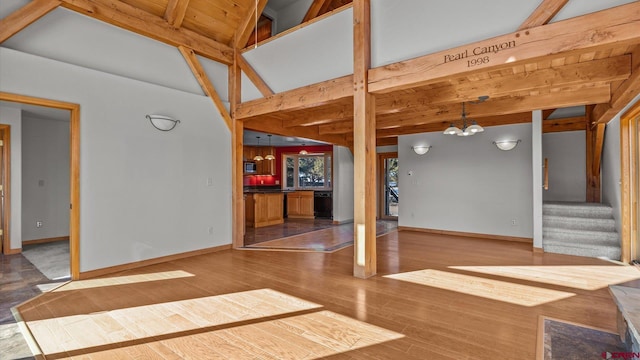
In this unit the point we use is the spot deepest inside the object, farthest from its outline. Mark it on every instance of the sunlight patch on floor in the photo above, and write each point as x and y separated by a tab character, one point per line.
310	336
578	276
486	288
86	331
123	280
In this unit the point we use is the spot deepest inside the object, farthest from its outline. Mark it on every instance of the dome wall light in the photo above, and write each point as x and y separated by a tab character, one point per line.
421	149
162	122
506	145
303	151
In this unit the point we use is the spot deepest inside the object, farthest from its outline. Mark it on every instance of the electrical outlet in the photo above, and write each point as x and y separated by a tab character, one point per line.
210	230
38	224
209	181
514	222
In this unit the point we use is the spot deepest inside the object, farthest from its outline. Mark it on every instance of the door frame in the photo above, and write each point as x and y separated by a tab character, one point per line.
382	157
6	174
74	144
629	190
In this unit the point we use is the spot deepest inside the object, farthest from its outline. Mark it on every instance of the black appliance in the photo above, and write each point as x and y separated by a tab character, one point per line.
323	204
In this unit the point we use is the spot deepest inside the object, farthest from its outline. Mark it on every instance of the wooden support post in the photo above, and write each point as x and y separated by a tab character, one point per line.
594	140
237	132
364	146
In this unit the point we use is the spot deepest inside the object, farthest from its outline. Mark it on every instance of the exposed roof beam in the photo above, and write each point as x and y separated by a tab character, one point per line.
595	71
25	16
174	14
307	96
616	26
205	83
554	99
131	18
314	9
543	13
622	95
248	25
565	124
309	132
262	86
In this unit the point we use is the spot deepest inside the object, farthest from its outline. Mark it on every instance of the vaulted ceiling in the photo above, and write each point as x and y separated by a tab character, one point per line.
592	60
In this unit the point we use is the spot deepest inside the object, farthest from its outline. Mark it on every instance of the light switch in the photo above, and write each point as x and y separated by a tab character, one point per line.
209	181
40	183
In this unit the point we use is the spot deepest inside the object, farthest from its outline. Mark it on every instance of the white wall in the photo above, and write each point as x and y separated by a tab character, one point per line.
610	170
292	15
467	184
342	184
566	152
13	117
45	178
143	193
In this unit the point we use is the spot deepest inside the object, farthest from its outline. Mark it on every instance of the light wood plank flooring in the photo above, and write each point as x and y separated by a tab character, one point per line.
435	297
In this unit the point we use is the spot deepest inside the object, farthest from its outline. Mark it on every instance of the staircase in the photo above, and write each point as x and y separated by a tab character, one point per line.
582	229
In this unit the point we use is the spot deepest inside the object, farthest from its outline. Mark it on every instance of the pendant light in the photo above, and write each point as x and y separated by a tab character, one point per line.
258	157
467	130
303	151
270	156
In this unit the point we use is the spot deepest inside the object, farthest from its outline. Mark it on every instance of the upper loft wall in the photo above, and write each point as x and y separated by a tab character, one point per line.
69	37
292	15
405	29
320	51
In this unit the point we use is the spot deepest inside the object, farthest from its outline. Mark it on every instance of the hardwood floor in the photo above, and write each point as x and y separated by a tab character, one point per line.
435	297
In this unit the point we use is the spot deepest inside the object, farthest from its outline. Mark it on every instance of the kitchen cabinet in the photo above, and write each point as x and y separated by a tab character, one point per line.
263	167
264	209
300	204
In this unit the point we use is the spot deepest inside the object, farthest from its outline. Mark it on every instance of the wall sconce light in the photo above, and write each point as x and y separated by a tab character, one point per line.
162	122
421	149
506	145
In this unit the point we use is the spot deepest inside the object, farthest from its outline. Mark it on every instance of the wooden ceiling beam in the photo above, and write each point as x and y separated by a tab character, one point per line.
248	25
612	27
543	13
622	95
555	99
304	97
174	14
314	9
309	132
25	16
565	124
259	83
141	22
596	71
205	83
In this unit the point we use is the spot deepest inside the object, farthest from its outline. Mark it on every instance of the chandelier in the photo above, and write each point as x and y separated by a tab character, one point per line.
469	127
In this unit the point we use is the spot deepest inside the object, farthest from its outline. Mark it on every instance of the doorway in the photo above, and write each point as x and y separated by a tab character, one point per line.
5	132
630	176
388	192
74	176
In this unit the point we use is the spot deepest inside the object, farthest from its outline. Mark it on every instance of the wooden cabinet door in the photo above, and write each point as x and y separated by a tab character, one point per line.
275	208
306	205
293	204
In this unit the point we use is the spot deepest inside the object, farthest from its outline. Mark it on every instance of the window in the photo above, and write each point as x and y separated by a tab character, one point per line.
307	172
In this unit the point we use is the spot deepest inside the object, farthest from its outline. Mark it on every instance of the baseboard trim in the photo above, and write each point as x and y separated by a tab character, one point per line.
538	250
13	251
340	222
138	264
467	234
45	240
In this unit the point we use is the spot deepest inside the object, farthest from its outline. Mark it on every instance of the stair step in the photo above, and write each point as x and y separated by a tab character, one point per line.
578	223
583	210
563	247
581	236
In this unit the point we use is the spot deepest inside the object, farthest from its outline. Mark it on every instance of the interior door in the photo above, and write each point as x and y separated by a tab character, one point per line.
388	193
2	188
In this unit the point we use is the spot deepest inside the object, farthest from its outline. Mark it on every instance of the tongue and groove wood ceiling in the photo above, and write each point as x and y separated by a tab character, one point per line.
592	60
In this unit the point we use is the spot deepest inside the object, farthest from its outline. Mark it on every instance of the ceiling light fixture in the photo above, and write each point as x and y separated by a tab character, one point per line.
258	157
303	151
421	149
506	145
270	155
467	130
162	122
